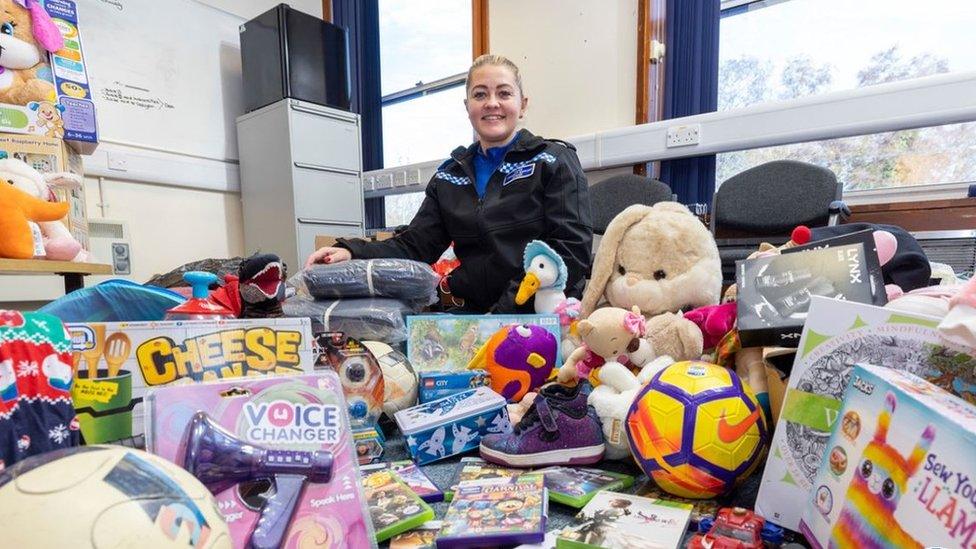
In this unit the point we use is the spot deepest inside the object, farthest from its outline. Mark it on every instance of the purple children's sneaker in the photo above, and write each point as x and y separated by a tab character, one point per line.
558	429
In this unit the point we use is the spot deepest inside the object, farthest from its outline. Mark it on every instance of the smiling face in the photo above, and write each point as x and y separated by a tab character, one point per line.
495	104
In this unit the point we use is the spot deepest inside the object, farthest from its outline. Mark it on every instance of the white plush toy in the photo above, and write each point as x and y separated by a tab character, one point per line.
612	400
545	278
59	244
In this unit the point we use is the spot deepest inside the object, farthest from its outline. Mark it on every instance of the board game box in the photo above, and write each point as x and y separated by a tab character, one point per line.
838	335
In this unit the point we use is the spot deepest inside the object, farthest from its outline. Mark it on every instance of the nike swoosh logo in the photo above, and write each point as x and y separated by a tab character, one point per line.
728	433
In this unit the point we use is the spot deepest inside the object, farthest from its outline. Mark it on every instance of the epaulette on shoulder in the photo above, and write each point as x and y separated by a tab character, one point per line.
445	164
566	144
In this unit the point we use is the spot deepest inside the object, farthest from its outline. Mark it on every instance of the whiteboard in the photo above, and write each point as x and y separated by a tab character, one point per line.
164	75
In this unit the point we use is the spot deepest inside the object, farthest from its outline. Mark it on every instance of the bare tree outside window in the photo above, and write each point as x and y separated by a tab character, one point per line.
798	48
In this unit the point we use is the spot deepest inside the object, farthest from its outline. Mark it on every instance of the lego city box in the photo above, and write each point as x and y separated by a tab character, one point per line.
435	385
294	444
116	362
898	471
774	292
452	425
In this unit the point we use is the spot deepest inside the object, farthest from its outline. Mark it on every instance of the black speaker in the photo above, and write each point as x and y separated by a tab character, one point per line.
287	53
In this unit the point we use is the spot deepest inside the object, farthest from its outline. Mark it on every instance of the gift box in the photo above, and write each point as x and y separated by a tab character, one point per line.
774	292
452	425
285	415
118	361
837	336
449	342
436	385
898	471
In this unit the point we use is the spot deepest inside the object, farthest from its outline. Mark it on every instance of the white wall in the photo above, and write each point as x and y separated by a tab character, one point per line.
168	226
249	8
578	61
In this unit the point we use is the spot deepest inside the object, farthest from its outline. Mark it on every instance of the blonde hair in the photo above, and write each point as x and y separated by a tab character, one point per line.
496	60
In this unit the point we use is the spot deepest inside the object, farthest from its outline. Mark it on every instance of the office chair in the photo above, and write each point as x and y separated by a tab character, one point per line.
766	202
612	195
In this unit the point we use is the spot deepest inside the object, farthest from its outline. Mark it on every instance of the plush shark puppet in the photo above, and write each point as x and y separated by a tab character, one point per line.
261	280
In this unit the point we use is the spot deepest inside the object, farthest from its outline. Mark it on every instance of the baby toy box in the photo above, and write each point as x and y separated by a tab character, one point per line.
71	81
258	422
452	425
115	362
449	342
435	385
46	93
899	470
774	292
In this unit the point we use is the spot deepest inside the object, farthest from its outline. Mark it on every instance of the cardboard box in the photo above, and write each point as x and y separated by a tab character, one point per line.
50	155
452	425
321	241
297	413
773	292
437	385
899	470
838	335
71	80
131	357
449	342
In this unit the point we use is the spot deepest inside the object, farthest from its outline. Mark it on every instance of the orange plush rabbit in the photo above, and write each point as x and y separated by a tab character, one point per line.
17	208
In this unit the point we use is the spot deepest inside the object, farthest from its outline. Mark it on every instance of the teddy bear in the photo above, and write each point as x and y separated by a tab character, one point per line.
662	259
26	33
609	334
612	400
17	210
59	244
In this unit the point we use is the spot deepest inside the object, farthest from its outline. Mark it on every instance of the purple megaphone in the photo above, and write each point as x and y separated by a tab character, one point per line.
220	460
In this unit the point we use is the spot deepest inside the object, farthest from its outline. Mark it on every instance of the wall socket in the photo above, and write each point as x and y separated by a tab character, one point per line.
682	136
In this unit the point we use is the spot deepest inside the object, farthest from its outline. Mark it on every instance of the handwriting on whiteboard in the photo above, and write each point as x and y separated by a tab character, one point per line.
125	94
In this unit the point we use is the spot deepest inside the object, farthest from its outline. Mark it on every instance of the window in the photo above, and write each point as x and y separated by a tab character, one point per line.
425	51
773	50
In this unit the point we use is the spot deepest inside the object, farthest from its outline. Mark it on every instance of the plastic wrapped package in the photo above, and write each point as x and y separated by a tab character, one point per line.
114	301
403	279
368	318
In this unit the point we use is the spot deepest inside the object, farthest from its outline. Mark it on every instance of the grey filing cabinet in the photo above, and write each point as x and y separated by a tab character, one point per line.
301	174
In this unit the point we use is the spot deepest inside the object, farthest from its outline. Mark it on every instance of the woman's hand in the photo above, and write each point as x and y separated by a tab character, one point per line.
328	255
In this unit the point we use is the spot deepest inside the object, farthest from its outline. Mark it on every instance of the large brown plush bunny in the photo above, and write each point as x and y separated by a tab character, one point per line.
26	35
663	260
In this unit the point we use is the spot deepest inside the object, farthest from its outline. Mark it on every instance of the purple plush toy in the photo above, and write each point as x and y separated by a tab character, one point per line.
519	359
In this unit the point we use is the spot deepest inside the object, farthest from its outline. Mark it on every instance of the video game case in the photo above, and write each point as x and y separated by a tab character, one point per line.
475	468
575	486
412	475
498	511
393	506
421	537
612	519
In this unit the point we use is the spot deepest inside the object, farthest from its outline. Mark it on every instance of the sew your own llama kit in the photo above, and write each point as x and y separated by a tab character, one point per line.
898	471
116	362
453	424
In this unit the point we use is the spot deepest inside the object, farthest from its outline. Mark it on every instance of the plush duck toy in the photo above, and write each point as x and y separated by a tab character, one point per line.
545	278
17	210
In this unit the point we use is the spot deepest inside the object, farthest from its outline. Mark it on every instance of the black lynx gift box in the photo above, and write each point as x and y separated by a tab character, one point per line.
774	292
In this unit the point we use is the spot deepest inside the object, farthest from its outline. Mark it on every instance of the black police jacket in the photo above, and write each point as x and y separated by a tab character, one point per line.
539	192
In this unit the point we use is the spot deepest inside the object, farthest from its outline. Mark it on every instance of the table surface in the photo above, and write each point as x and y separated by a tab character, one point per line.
442	472
43	266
